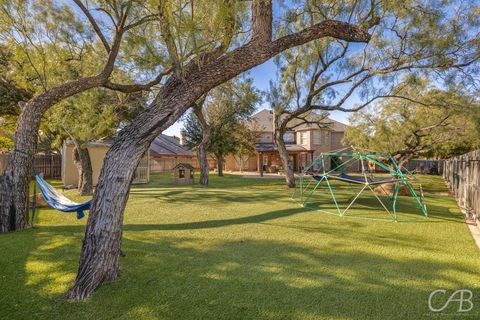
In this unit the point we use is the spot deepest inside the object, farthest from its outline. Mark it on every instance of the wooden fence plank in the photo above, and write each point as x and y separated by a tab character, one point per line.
462	175
48	165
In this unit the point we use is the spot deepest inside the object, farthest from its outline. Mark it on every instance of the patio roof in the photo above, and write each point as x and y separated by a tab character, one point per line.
270	147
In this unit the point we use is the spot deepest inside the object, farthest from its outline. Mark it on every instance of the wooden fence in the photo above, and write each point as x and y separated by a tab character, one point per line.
49	165
425	166
142	173
462	175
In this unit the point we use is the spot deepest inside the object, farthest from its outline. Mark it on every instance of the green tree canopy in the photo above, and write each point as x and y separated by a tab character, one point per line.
92	115
432	123
226	110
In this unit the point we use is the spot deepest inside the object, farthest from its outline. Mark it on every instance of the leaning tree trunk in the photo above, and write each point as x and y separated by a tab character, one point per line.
99	259
203	146
81	158
219	164
286	162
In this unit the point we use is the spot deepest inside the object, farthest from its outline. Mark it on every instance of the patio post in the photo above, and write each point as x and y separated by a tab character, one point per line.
260	163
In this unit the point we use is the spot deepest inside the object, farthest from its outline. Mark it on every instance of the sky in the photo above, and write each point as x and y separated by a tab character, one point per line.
262	75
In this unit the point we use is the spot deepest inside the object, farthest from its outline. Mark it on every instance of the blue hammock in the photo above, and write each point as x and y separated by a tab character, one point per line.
58	201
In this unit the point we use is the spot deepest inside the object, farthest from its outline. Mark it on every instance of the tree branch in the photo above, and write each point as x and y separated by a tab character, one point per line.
168	37
327	28
131	88
261	20
94	24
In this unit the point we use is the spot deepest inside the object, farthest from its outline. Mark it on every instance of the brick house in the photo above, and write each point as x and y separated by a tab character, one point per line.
304	143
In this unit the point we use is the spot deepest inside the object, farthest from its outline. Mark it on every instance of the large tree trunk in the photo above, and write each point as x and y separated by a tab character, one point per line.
81	158
203	146
219	164
286	162
99	260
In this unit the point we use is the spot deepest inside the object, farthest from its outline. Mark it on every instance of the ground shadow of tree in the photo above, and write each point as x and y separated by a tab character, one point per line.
182	277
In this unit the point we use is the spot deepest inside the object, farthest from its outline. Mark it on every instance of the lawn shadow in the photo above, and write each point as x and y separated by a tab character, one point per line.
179	278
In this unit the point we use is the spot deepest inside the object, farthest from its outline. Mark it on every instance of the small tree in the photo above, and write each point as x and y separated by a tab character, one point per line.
217	123
92	115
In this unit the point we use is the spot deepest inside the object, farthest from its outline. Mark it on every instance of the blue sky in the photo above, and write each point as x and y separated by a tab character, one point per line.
262	75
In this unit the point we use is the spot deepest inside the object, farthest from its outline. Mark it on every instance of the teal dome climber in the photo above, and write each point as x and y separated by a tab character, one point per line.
369	172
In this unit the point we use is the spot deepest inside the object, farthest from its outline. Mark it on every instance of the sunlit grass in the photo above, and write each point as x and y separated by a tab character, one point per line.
242	249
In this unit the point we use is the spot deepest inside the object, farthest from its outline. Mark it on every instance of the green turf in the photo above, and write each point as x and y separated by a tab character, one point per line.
241	249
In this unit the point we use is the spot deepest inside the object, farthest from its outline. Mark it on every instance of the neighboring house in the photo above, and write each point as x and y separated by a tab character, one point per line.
304	143
164	154
168	151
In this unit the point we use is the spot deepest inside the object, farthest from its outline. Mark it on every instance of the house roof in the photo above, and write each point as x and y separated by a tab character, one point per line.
185	165
263	121
163	144
168	145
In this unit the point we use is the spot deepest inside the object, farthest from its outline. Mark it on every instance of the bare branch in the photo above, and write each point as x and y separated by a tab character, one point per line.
327	28
147	18
94	24
131	88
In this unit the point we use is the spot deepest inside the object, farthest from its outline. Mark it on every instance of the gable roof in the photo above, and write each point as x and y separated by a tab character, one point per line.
162	145
185	165
168	145
263	121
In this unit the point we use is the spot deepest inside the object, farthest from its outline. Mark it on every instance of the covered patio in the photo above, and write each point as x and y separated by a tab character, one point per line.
268	158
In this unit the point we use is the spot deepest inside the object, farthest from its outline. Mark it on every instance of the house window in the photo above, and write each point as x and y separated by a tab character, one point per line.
289	137
317	137
181	173
303	137
327	137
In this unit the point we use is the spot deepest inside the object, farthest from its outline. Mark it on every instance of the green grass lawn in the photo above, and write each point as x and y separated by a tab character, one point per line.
241	249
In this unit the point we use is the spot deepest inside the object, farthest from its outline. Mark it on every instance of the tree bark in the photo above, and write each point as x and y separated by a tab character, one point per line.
81	158
219	164
204	145
99	260
283	153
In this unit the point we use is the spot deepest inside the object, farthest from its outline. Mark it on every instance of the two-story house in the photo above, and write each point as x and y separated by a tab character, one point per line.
304	143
